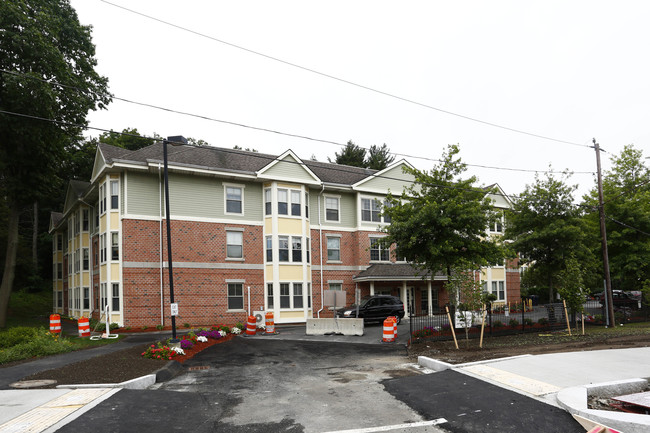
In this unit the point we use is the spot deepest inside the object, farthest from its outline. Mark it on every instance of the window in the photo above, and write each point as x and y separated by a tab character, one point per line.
235	296
498	289
77	298
114	194
387	205
115	246
296	249
115	297
308	250
86	259
77	261
269	249
370	210
268	204
269	296
85	219
295	203
86	298
75	223
335	286
297	295
283	248
59	271
59	299
308	295
331	209
333	249
103	296
234	245
306	205
59	242
96	218
497	226
285	297
377	251
282	202
102	248
234	199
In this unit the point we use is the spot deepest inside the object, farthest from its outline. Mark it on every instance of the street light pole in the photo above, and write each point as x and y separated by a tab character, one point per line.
175	140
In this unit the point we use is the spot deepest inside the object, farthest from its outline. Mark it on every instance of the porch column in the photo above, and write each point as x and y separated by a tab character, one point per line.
429	298
405	300
372	288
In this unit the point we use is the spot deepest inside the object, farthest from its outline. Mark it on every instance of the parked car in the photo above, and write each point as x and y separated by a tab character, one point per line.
375	308
621	299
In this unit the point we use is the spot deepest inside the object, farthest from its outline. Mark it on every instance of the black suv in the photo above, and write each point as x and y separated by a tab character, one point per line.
375	308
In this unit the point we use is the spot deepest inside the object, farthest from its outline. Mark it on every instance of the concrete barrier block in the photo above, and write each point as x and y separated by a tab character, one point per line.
334	326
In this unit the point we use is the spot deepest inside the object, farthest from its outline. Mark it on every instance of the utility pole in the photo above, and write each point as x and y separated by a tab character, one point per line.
603	234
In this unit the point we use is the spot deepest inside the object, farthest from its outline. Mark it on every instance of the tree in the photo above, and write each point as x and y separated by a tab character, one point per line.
352	155
379	157
571	286
129	139
464	286
50	59
546	229
443	219
626	194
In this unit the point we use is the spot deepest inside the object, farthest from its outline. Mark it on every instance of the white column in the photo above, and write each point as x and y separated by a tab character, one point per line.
429	298
372	288
405	300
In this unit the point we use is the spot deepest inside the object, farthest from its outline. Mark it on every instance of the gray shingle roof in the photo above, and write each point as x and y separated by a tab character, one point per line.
217	158
383	271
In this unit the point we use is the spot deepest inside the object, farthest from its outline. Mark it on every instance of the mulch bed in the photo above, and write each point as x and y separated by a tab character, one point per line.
116	367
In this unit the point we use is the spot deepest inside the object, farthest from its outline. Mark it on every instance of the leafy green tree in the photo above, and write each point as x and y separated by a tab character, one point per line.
51	62
352	155
571	285
546	228
464	286
443	219
626	194
379	157
129	139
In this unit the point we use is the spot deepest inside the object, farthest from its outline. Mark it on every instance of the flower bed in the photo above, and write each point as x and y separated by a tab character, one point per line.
190	344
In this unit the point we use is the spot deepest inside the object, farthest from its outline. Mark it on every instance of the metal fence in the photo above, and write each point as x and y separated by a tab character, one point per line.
517	319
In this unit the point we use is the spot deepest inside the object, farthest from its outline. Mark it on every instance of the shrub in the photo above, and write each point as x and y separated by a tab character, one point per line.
425	332
497	324
17	335
187	325
159	327
43	343
543	321
513	322
225	329
186	344
239	325
528	321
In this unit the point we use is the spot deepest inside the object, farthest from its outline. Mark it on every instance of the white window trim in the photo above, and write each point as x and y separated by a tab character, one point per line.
338	198
291	296
243	294
327	249
372	199
370	249
110	194
235	259
225	198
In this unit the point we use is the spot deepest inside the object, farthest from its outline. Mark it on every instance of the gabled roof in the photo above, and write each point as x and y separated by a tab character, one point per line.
76	190
55	219
288	165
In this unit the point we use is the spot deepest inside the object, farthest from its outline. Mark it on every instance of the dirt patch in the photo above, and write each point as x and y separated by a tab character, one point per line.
531	343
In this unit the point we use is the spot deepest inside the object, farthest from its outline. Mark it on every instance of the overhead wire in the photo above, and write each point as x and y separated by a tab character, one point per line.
304	137
342	80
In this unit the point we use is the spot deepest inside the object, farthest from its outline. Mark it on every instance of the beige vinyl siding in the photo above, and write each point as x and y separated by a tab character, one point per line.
142	190
99	165
394	180
289	170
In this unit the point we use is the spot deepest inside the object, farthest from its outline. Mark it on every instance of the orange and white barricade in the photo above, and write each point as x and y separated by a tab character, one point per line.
251	327
389	330
84	327
55	324
269	322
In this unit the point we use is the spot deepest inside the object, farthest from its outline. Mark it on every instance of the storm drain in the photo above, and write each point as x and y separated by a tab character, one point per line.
198	367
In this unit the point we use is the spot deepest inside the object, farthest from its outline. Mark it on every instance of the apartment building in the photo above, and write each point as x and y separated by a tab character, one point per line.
249	232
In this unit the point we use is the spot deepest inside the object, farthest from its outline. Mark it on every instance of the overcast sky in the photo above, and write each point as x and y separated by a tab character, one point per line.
567	70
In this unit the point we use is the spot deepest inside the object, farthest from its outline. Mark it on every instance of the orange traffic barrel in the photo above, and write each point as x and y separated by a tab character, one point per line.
270	324
84	327
55	324
251	327
389	330
394	326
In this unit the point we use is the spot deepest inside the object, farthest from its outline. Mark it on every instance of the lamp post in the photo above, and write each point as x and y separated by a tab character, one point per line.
174	141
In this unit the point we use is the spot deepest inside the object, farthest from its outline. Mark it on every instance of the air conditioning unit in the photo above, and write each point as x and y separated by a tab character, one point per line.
259	318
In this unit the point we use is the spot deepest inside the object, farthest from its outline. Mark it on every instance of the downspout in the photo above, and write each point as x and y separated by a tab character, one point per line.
162	316
320	242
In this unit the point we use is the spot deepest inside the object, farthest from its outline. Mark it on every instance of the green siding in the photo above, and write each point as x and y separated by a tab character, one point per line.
347	210
142	194
99	164
195	196
394	180
289	170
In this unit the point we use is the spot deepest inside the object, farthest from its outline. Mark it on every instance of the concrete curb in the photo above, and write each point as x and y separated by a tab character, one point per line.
142	382
171	369
574	401
437	365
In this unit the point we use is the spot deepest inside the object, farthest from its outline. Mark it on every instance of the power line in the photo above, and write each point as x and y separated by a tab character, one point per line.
626	225
304	137
342	80
335	167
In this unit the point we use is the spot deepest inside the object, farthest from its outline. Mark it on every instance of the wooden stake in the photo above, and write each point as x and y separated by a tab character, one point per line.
483	313
583	323
566	315
451	325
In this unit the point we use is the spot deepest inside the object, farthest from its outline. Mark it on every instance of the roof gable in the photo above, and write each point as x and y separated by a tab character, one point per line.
288	167
391	178
76	190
